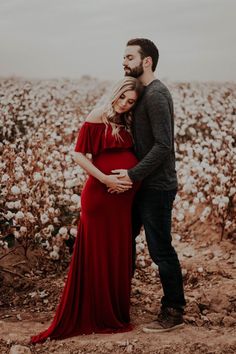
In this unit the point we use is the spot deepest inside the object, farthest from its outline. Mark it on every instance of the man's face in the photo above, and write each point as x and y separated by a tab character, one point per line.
132	63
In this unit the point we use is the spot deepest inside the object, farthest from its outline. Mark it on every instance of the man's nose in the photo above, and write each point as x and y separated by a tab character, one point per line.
124	62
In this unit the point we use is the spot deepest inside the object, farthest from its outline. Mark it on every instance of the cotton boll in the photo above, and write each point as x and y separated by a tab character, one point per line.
23	230
16	234
45	244
192	209
232	191
5	246
140	258
10	205
75	198
9	215
185	205
19	215
206	187
142	264
199	195
70	184
225	200
66	197
15	190
221	205
73	232
17	204
63	231
29	152
48	170
141	246
192	131
50	228
154	266
54	255
5	178
138	239
30	217
56	248
218	189
18	160
180	216
67	174
37	176
44	218
25	189
228	224
187	188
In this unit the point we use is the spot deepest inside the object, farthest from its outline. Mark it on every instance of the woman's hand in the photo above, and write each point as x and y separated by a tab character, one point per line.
116	184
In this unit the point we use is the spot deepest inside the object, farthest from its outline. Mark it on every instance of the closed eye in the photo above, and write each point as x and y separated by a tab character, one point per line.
129	57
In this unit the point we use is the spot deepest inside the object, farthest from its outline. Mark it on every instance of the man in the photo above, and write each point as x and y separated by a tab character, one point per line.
153	132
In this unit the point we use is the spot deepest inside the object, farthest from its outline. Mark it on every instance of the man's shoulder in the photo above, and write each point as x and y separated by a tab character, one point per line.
158	89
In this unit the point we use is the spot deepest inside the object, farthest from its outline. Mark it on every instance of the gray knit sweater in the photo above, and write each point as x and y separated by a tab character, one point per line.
153	132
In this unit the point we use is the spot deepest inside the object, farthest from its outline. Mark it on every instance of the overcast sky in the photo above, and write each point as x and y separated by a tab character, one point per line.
70	38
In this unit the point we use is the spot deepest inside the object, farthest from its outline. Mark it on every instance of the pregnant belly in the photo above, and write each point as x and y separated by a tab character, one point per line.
108	161
95	199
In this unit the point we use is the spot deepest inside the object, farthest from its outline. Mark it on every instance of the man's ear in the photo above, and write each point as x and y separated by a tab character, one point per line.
147	62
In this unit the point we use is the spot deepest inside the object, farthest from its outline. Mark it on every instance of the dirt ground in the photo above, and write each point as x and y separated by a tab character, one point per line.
28	301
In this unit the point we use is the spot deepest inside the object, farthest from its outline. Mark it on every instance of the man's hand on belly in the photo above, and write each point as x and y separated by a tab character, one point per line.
123	177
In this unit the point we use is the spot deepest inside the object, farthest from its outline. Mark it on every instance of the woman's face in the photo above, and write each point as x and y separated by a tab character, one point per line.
125	102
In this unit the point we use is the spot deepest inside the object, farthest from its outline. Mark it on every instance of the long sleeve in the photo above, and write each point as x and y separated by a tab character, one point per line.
159	113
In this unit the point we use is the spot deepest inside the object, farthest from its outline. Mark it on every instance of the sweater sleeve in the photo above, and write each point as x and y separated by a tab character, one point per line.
159	114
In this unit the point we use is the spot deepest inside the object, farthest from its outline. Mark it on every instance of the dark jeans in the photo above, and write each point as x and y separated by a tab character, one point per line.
152	209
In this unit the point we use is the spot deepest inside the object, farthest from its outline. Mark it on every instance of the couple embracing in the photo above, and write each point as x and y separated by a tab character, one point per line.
132	183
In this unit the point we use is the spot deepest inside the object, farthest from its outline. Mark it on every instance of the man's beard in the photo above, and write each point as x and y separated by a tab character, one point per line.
135	72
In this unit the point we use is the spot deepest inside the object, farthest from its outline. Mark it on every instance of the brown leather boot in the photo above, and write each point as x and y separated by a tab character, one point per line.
168	319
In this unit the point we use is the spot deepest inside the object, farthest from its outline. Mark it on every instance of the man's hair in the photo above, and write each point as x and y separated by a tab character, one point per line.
147	49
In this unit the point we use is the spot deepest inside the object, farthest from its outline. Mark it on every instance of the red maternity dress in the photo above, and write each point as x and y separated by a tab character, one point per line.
96	296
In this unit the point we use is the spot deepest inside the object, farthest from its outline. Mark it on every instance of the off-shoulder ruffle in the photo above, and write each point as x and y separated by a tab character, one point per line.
94	138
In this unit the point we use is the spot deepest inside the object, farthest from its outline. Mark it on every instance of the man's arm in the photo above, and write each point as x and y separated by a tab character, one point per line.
159	113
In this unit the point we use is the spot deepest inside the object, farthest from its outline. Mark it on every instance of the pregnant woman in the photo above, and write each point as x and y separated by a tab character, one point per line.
96	296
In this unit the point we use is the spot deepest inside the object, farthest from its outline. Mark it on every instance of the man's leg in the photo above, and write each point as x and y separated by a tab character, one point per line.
136	227
156	208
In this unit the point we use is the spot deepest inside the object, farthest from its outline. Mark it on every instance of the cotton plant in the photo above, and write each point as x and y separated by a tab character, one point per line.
40	181
33	207
206	154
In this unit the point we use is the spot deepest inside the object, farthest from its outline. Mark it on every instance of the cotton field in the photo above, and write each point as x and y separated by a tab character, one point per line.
41	184
206	153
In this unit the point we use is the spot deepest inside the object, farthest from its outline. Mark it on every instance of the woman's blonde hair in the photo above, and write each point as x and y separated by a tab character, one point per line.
128	83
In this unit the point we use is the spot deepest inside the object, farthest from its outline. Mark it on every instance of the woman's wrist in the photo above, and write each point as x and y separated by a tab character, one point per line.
103	178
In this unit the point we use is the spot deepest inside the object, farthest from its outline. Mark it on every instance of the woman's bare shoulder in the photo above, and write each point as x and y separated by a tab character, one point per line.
95	116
